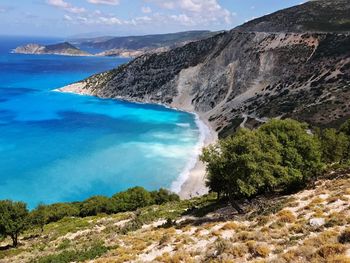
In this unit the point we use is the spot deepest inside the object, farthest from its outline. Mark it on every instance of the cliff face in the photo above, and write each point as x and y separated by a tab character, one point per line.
244	75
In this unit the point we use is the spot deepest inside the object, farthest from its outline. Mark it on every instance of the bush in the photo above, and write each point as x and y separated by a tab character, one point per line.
345	128
38	217
67	256
58	211
345	236
131	199
334	145
95	205
163	196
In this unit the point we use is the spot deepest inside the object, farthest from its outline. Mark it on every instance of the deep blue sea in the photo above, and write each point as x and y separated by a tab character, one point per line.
57	147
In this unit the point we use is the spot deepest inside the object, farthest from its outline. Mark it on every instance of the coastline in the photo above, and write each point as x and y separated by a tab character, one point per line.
191	182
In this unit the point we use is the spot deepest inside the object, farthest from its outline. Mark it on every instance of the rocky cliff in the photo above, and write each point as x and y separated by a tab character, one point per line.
270	67
56	49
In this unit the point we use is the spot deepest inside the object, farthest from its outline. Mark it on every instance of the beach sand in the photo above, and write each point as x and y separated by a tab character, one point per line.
191	182
75	88
194	185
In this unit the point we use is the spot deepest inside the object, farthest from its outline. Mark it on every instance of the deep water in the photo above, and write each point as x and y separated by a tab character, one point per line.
57	147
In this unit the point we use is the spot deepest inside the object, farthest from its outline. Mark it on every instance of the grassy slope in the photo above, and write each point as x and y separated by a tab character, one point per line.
273	230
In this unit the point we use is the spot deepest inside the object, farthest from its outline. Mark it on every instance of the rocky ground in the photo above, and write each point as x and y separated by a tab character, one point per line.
312	225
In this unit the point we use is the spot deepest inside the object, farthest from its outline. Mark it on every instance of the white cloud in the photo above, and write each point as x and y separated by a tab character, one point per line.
146	10
58	3
183	19
196	12
109	20
167	4
66	6
184	14
104	2
68	18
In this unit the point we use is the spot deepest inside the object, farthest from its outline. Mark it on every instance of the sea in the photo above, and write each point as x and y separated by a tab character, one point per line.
59	147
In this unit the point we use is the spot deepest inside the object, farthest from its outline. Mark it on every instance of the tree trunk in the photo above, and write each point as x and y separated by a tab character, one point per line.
235	205
14	238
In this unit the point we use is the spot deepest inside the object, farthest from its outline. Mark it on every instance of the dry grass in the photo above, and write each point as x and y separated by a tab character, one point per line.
283	236
286	216
328	251
230	226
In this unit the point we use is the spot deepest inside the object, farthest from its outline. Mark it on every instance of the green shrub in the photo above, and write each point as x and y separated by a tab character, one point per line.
334	145
64	244
163	196
95	205
345	128
131	199
39	217
67	256
58	211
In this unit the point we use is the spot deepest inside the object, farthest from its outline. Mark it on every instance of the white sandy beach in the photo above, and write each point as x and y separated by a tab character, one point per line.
191	182
194	183
75	88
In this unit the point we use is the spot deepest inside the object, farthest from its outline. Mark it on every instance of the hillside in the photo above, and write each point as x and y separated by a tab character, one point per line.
310	226
55	49
244	75
144	42
313	16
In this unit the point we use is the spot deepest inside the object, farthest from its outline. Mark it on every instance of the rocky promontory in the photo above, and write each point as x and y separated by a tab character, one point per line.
65	49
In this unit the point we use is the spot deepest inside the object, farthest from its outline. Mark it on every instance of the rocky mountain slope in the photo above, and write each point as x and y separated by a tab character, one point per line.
135	46
314	16
275	66
310	226
56	49
144	42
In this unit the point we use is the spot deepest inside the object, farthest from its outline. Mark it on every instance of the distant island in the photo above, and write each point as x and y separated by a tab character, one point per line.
65	49
128	46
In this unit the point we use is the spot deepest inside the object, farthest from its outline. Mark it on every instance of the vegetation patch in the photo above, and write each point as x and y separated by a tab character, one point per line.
67	256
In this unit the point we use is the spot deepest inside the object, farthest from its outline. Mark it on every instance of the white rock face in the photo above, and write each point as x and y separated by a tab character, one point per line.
317	222
29	49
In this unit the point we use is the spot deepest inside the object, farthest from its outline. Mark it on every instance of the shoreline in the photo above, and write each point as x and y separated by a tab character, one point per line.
191	182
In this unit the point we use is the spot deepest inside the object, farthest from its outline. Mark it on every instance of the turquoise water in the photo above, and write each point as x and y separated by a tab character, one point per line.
58	147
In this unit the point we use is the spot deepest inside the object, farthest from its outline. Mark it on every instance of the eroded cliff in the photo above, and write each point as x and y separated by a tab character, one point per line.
244	76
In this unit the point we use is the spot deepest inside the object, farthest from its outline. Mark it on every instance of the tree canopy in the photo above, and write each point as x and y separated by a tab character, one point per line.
13	219
281	155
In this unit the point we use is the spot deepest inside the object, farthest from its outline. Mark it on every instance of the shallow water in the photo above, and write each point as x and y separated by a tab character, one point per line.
58	147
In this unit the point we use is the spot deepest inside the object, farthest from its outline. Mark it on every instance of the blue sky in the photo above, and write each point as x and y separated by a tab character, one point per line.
128	17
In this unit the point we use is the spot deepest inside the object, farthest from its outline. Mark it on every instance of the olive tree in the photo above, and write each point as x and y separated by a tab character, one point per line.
13	219
279	156
39	216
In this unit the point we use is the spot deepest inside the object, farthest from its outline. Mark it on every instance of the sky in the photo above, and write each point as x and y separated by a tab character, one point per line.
67	18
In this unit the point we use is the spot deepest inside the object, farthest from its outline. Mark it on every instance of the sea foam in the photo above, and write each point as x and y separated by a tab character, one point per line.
204	132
